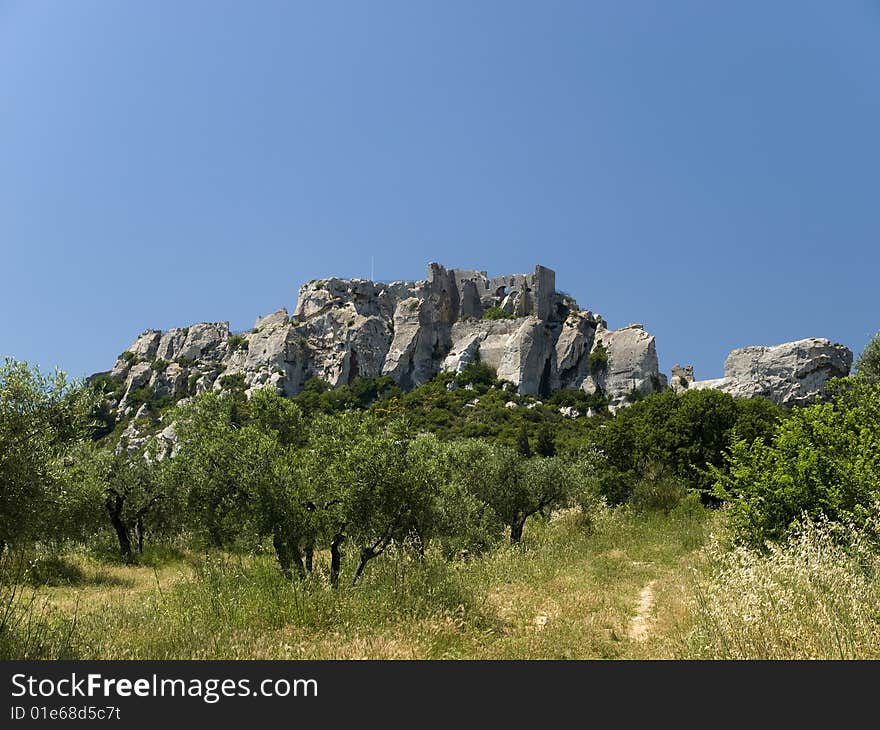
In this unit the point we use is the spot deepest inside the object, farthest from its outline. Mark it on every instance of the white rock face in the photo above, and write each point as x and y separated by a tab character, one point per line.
529	360
631	364
793	373
342	329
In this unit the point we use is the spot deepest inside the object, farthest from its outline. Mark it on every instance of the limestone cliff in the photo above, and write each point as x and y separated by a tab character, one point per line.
532	335
535	337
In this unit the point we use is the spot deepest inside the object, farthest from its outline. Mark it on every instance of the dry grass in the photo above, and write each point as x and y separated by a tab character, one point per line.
564	593
815	597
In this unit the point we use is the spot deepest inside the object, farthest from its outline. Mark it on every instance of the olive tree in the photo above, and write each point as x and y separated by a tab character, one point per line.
370	484
518	488
41	417
235	461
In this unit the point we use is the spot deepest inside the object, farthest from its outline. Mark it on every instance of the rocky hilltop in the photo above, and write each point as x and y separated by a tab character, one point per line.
535	337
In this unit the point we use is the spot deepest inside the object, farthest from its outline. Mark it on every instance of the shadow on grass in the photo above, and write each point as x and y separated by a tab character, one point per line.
55	570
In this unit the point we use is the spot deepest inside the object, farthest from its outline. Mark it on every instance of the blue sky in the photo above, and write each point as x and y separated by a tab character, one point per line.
707	169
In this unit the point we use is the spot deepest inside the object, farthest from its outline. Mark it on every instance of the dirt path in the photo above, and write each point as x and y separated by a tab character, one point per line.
638	625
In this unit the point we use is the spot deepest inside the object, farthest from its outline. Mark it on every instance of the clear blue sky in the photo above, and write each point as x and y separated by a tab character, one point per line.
707	169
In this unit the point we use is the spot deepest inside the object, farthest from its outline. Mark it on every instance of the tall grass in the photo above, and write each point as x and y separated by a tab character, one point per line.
814	597
242	606
29	627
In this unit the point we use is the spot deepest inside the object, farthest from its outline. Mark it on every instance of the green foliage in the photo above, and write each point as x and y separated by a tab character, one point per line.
108	392
523	447
159	365
634	396
658	489
41	418
130	357
191	382
477	373
318	397
689	433
867	364
598	359
235	381
139	396
237	342
546	443
823	462
578	399
493	313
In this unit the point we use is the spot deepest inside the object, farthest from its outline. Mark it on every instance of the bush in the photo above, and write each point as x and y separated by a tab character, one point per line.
598	359
476	373
823	461
868	363
497	313
233	382
658	490
237	342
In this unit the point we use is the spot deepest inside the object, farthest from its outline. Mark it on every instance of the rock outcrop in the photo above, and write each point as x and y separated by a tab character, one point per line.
794	373
341	329
535	337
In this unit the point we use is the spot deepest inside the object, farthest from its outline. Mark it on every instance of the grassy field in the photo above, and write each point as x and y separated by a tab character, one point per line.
634	586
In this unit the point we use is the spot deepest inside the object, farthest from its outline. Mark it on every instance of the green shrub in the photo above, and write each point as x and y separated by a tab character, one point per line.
634	396
159	365
493	313
237	342
823	462
476	373
233	382
140	396
867	364
191	383
658	489
598	359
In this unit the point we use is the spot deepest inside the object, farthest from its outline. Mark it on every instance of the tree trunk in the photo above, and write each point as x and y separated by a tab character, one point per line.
367	554
115	504
289	557
139	535
283	555
310	557
335	560
516	529
298	560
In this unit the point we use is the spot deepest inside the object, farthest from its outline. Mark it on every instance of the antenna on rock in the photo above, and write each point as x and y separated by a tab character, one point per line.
372	267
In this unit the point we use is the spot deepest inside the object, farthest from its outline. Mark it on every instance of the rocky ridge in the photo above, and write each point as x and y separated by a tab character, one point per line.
535	337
